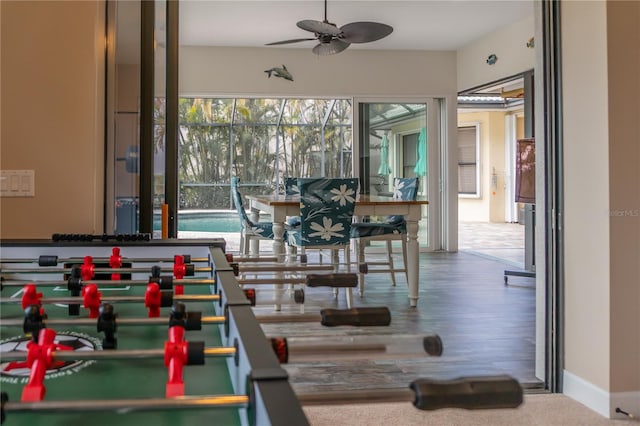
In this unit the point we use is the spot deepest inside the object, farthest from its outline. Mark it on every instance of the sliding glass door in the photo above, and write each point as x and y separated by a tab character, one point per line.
401	139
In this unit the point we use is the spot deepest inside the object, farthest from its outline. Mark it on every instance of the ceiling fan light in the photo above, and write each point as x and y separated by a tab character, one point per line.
335	46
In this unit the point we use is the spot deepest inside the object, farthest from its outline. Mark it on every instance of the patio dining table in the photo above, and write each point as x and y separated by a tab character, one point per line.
280	207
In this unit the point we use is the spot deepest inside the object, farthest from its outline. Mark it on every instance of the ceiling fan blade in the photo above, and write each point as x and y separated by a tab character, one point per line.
295	40
333	47
364	32
318	27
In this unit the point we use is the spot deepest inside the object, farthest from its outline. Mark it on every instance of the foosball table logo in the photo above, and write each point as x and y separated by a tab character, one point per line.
18	372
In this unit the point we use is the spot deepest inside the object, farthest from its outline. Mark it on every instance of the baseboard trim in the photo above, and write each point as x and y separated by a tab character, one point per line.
599	400
586	393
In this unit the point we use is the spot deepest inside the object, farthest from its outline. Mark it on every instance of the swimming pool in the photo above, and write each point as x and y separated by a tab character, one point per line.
204	221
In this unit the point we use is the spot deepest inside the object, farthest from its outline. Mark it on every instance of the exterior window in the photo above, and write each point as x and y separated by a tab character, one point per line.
468	161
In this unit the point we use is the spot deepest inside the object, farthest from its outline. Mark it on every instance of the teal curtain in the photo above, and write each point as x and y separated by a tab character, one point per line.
384	169
421	164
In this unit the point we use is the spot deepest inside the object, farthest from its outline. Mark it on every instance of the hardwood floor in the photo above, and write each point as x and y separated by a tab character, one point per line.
486	327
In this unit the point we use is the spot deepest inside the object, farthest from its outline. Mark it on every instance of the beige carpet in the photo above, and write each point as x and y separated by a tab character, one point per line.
538	409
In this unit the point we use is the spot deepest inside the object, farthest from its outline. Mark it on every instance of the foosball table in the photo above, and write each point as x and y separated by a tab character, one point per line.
145	333
159	332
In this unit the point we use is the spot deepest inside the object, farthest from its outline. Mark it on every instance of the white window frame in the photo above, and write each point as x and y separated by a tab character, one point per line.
478	192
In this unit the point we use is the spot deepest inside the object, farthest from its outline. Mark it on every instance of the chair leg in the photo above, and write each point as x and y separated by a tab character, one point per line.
292	251
349	294
404	258
360	251
348	291
254	246
335	261
243	242
245	245
347	258
390	261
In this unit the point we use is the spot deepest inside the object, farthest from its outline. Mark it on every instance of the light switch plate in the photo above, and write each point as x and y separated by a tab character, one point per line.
17	183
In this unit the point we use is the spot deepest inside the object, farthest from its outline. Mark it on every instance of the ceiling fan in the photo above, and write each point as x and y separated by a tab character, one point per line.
333	39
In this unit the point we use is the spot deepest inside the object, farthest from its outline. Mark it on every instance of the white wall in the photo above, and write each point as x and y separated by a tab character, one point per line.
240	71
509	44
586	178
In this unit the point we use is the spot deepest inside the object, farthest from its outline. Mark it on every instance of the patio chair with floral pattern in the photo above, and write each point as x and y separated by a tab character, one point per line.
393	228
250	230
326	213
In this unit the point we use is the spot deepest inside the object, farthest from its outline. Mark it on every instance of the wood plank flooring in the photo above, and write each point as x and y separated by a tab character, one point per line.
486	327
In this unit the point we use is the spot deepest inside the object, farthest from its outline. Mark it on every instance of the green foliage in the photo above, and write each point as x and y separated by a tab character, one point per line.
220	138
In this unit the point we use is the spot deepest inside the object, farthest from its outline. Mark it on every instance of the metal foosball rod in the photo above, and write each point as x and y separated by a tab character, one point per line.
279	267
55	260
249	259
120	354
101	283
285	352
53	323
269	296
357	317
116	299
471	393
231	258
307	349
46	270
202	402
271	280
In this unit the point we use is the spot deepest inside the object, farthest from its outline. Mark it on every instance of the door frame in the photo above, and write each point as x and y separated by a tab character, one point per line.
440	111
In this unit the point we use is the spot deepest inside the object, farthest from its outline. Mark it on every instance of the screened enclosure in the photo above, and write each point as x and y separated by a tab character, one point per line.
261	141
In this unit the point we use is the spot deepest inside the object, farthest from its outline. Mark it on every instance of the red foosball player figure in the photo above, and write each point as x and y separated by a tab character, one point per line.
178	353
115	261
179	272
39	360
30	296
153	300
87	269
92	299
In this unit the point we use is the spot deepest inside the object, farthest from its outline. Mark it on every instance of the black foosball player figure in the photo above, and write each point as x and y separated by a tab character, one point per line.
107	325
181	318
34	317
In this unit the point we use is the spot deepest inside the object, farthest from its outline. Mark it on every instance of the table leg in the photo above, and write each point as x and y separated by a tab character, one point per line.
278	240
413	271
254	244
279	253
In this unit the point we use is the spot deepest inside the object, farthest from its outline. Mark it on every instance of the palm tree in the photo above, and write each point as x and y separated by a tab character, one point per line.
224	137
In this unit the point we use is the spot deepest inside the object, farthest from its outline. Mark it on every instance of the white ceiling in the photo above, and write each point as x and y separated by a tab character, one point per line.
418	24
